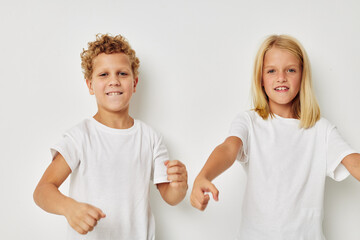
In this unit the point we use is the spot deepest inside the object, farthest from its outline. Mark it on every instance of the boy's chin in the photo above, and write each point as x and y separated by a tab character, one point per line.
114	109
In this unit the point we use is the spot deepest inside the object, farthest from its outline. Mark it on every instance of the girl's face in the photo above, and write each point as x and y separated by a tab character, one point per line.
281	79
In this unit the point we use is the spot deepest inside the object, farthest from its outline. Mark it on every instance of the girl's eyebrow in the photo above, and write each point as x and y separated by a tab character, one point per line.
289	65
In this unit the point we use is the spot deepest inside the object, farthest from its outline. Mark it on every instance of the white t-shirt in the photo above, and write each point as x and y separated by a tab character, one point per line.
286	169
111	170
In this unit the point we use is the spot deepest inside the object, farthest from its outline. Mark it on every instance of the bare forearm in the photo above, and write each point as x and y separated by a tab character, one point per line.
220	159
49	198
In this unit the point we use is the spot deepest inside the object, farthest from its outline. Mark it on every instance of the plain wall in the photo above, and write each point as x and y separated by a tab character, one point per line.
196	65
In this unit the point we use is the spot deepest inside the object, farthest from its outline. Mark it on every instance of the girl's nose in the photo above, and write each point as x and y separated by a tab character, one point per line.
282	77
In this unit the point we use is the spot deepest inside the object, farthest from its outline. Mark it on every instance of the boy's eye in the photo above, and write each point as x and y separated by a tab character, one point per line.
103	74
123	74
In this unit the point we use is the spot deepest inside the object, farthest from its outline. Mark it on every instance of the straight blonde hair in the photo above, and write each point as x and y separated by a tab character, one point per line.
304	105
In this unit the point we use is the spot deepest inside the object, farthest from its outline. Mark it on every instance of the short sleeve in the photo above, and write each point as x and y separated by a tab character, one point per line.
160	155
240	128
68	148
337	149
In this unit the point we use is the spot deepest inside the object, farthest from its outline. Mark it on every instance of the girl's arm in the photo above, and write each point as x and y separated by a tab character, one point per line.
220	159
82	217
352	164
174	191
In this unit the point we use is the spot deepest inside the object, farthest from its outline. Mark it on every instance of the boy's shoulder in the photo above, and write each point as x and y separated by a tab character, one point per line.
147	129
79	132
81	127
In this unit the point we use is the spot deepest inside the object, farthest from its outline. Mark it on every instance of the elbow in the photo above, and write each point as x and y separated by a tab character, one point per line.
36	195
174	202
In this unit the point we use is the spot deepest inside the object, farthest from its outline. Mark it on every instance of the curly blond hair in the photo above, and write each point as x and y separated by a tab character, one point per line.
108	44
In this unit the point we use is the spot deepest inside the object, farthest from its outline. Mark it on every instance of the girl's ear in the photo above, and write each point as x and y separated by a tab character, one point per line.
89	85
136	80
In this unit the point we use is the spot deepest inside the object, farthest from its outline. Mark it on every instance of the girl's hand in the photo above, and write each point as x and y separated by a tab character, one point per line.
82	217
199	197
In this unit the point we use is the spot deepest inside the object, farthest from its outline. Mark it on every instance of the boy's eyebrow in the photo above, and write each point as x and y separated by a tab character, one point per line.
102	69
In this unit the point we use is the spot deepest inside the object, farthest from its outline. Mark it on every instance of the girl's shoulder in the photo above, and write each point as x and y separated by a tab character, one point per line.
324	124
249	114
245	117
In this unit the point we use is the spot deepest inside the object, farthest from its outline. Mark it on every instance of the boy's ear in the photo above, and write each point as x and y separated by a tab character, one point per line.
136	80
89	85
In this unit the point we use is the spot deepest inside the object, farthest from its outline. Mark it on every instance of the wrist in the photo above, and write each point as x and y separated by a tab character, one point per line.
201	177
67	206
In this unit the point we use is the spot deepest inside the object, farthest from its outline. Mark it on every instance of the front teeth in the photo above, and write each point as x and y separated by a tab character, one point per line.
281	88
113	93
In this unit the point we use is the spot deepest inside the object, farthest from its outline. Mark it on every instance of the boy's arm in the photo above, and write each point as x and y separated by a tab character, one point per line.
220	159
82	217
352	164
174	191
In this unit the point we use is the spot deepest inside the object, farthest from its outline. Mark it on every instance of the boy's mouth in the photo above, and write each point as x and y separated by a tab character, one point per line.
114	93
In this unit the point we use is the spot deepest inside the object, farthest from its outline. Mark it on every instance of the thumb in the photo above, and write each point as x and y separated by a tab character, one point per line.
102	214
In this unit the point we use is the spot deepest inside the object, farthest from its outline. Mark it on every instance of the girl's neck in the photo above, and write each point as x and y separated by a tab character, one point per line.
118	121
284	111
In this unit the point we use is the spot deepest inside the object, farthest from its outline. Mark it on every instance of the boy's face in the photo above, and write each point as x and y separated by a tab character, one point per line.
112	83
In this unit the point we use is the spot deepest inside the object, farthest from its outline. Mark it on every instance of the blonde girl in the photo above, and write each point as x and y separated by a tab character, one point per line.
286	148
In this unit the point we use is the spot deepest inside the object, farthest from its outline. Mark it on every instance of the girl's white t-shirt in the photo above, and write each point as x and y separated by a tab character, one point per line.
286	168
112	170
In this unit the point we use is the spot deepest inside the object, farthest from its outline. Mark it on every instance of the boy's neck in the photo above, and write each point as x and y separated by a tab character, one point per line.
118	121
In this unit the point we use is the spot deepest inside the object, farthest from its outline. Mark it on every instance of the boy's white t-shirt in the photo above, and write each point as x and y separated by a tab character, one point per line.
111	170
286	168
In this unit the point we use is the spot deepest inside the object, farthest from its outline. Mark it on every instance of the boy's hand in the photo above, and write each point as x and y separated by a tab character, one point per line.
177	174
199	197
174	191
83	217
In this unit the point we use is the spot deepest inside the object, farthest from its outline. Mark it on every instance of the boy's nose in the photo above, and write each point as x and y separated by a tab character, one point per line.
114	81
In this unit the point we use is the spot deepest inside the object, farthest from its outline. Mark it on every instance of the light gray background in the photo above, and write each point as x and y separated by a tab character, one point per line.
196	64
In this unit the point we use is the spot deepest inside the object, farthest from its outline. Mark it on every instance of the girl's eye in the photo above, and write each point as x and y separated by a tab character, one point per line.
292	70
271	71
